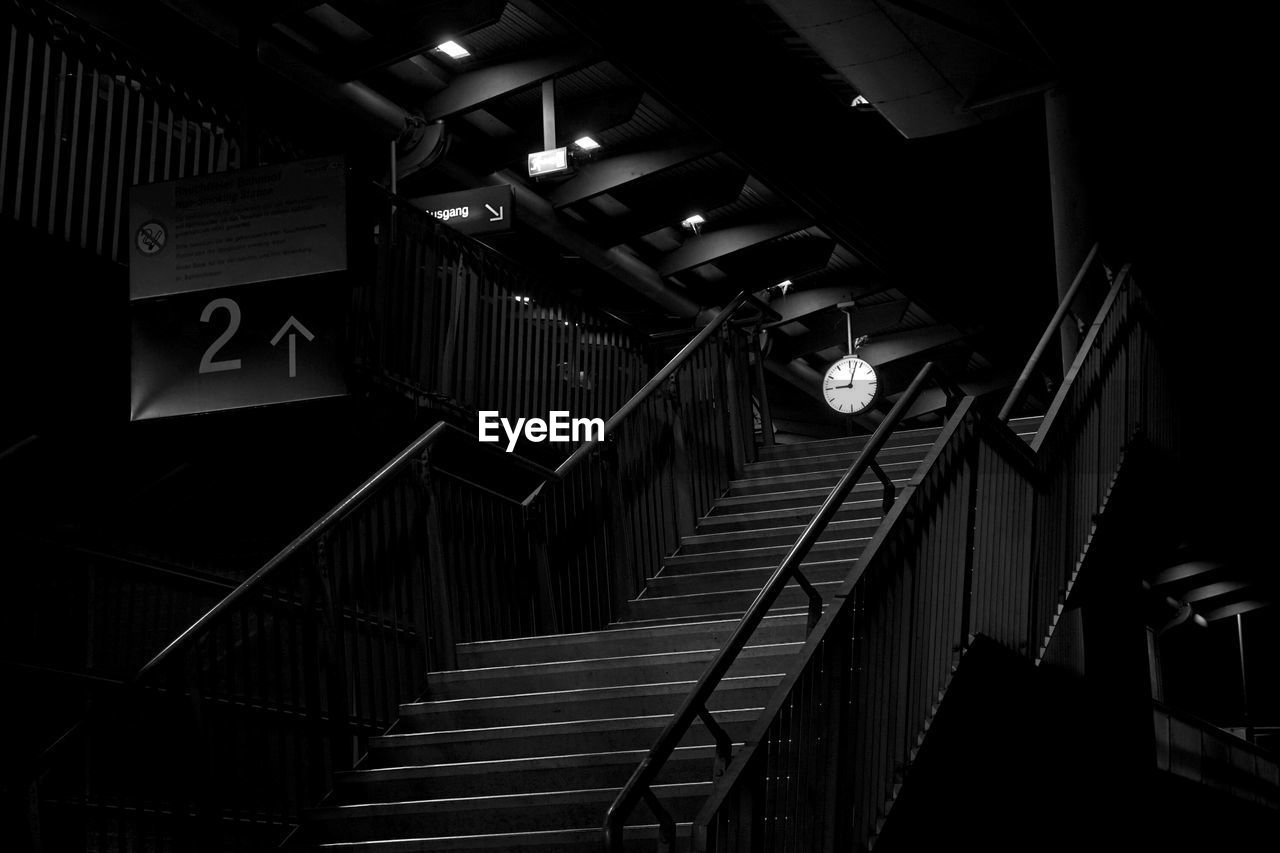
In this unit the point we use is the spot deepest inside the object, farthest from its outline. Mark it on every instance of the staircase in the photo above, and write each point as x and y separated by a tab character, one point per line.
525	745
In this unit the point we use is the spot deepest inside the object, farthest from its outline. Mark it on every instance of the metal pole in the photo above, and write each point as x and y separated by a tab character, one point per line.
549	114
394	176
1244	682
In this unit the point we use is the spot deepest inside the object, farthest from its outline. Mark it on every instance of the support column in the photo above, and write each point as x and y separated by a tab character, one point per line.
1073	229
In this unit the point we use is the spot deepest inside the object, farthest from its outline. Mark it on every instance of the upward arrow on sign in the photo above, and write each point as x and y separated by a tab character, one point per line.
292	323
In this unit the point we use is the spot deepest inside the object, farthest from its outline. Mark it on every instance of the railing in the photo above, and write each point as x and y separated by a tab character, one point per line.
237	724
1063	311
1195	749
986	538
444	317
82	121
695	706
90	610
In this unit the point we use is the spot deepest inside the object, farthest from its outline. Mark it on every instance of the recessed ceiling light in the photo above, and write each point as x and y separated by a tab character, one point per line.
693	220
586	143
453	50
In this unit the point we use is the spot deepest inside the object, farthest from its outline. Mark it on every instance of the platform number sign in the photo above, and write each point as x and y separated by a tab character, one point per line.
237	290
248	346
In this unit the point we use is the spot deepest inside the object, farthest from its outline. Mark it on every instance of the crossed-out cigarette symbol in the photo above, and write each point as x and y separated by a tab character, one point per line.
151	237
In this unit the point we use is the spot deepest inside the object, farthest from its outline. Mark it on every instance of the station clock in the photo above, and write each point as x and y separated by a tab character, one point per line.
850	386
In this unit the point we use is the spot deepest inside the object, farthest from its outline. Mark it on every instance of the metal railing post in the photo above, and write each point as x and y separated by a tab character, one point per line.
440	610
766	414
681	478
732	406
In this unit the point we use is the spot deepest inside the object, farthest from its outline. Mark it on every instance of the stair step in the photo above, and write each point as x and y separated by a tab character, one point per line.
816	571
756	659
739	599
585	704
846	444
842	459
636	839
800	515
679	636
662	621
577	809
769	556
541	739
803	494
762	537
544	773
815	479
1025	427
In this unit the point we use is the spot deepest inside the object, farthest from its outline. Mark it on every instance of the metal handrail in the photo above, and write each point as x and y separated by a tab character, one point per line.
655	382
1064	307
638	787
371	485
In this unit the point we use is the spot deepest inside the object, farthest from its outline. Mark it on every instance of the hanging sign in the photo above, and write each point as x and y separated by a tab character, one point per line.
232	228
236	347
229	299
479	211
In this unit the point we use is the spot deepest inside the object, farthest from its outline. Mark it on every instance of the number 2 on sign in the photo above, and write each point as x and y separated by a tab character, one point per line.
207	364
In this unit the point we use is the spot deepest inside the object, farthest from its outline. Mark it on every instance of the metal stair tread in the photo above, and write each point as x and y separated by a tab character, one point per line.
604	724
602	634
498	800
825	472
849	454
688	596
591	663
490	841
722	573
427	707
818	492
792	611
796	529
492	765
744	553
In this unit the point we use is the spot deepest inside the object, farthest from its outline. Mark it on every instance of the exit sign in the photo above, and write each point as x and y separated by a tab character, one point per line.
552	162
479	211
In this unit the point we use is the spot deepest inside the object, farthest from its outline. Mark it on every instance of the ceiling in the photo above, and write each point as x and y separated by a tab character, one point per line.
739	112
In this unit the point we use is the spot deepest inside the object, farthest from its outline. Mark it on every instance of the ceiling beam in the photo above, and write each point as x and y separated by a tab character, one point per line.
1235	609
903	345
1186	574
830	329
670	202
267	12
609	174
1213	594
800	304
714	245
769	263
473	89
430	24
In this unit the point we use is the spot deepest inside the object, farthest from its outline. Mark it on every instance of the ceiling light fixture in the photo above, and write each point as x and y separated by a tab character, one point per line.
453	50
586	143
692	221
783	285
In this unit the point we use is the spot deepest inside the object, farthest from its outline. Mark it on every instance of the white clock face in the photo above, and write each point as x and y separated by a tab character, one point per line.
850	385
